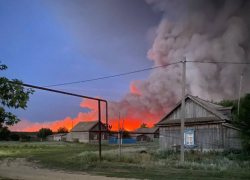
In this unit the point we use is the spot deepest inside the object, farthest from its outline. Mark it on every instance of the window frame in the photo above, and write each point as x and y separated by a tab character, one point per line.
185	137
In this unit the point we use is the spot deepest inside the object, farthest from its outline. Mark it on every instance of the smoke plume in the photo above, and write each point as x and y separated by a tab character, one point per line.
206	30
200	30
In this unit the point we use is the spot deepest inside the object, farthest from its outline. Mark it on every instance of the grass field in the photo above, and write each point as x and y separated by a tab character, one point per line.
154	164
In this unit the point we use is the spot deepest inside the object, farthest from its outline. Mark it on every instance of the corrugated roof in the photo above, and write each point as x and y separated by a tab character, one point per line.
147	130
84	126
59	134
216	109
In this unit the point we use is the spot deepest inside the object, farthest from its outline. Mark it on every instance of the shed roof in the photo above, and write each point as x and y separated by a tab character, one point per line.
147	130
84	126
59	134
218	110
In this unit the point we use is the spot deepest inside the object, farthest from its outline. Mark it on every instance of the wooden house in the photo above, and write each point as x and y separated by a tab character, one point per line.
87	132
147	134
207	126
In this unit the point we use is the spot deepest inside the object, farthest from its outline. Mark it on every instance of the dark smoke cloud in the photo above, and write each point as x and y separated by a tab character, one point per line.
201	31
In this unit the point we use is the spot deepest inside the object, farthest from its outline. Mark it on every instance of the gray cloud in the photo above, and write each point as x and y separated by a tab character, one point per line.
202	31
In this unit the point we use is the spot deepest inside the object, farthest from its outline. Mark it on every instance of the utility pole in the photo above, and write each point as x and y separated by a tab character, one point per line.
99	128
183	107
119	136
76	95
122	130
239	94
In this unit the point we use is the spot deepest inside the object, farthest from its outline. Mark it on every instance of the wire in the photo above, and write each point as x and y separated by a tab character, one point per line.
220	62
107	77
132	72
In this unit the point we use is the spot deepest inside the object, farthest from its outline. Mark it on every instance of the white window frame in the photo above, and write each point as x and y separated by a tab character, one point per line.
189	138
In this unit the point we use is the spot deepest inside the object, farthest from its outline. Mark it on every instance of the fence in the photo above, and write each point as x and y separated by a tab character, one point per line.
124	141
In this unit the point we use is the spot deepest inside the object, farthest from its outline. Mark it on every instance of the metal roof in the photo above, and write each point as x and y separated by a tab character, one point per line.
216	109
84	126
59	134
147	130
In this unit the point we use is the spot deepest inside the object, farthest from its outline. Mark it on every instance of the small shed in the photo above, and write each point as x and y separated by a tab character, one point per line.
208	126
87	132
147	134
57	137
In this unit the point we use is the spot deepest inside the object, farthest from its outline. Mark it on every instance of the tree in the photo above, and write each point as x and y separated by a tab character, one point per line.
4	133
125	134
241	120
12	95
144	125
24	138
44	132
109	127
62	130
14	137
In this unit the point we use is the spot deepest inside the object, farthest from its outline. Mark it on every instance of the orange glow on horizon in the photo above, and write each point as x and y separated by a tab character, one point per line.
131	122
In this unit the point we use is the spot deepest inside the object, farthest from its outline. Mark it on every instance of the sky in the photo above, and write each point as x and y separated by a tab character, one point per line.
46	42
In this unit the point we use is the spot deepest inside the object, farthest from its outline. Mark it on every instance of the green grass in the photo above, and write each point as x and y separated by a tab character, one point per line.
153	165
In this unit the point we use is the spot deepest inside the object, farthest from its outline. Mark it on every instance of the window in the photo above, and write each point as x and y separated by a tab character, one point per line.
95	137
189	138
102	136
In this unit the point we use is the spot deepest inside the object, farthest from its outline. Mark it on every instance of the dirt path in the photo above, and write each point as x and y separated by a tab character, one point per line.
22	170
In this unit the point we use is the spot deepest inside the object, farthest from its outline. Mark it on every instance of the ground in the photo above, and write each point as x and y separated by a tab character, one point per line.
61	160
21	169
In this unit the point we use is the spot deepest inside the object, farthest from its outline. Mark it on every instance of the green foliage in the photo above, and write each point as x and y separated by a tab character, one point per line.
109	127
62	130
44	132
24	138
14	137
12	95
126	135
4	133
241	120
144	125
83	157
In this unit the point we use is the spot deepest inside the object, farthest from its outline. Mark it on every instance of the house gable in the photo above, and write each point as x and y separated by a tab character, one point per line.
196	110
192	110
96	127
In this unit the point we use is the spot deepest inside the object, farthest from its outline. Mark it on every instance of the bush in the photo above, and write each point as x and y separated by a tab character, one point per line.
14	137
128	155
24	138
4	133
76	140
165	154
62	130
44	132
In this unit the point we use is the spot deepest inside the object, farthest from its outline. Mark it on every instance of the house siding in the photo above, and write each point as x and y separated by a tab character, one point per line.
80	136
192	110
206	137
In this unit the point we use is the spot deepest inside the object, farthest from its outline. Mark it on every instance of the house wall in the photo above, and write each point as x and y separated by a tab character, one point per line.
81	136
231	138
143	138
92	136
57	138
206	137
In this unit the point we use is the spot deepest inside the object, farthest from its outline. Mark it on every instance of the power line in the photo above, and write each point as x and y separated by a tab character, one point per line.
107	77
147	69
219	62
